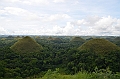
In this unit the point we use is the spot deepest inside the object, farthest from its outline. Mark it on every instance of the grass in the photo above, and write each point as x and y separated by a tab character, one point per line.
77	39
98	74
27	44
99	46
82	75
59	76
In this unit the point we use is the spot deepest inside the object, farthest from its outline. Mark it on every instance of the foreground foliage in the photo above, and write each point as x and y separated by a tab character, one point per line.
98	74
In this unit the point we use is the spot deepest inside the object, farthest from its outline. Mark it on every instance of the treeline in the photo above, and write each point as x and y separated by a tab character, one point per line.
63	55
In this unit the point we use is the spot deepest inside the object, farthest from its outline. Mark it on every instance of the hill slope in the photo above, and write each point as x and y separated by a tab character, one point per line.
77	39
56	40
27	44
99	46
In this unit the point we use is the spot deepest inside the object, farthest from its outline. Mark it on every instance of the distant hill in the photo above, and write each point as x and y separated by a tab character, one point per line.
117	41
50	38
77	39
26	44
99	46
117	38
56	40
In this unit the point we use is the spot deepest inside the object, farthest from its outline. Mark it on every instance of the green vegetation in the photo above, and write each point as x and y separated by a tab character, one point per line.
58	58
78	39
55	40
27	44
98	74
101	46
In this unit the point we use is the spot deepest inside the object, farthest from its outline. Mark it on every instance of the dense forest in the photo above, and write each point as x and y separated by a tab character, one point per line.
47	56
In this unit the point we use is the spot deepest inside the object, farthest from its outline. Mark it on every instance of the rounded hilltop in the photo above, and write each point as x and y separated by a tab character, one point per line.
26	44
77	39
101	46
55	39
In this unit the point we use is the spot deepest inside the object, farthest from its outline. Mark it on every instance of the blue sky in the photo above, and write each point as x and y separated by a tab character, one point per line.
60	17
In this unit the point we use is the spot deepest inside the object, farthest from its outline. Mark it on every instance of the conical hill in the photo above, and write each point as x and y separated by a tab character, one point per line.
99	46
26	44
56	40
77	39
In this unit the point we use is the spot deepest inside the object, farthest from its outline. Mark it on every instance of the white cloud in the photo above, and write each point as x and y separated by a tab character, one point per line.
12	1
2	11
91	20
35	2
25	14
28	2
3	31
104	26
15	11
56	17
95	25
76	2
105	22
58	1
26	32
69	29
56	30
80	22
20	13
59	17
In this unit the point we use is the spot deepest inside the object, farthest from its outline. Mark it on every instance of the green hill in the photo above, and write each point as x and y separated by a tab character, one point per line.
99	46
56	40
117	41
50	38
26	44
77	39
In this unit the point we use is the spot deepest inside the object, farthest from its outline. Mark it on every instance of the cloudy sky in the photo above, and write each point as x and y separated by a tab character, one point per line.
60	17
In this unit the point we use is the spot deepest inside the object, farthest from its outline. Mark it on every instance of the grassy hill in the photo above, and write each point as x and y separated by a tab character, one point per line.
27	44
99	46
77	39
56	40
117	41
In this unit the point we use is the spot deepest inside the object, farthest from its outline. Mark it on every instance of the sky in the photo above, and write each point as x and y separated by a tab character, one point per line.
60	17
